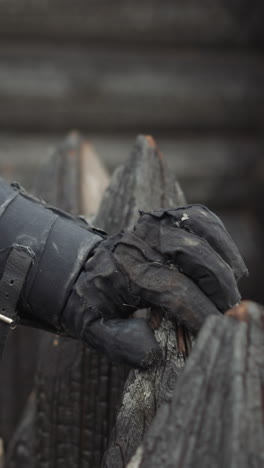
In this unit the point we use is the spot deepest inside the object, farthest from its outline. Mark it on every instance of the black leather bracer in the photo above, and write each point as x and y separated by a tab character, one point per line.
60	244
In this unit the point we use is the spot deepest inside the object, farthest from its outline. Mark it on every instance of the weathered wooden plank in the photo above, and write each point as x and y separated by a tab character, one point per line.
215	417
143	182
85	181
145	392
20	448
105	89
17	372
148	21
94	180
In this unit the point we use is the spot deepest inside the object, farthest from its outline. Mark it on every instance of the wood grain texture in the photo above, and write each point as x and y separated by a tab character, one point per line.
215	22
145	392
20	449
215	417
143	182
76	177
49	88
17	373
94	179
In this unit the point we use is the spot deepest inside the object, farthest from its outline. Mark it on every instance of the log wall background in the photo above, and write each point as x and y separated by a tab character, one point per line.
189	73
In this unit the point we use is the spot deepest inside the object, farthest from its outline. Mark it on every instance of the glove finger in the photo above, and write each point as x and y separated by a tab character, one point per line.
199	220
130	341
208	225
164	286
192	255
196	259
177	294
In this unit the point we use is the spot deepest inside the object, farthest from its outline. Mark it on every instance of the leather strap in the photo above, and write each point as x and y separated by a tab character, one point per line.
11	284
61	245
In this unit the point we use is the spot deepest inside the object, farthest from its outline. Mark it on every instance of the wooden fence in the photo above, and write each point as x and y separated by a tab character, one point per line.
190	73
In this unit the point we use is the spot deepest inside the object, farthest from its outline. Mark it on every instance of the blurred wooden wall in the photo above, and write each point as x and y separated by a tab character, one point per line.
189	73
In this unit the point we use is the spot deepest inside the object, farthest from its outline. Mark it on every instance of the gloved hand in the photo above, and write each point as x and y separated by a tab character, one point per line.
181	260
87	285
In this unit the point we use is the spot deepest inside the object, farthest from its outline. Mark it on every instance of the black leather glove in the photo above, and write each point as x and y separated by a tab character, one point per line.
86	285
181	260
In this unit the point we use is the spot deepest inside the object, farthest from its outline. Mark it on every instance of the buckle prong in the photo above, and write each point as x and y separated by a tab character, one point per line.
6	319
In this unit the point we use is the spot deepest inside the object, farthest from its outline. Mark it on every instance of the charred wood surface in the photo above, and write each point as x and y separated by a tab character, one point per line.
145	392
215	417
17	371
20	450
74	178
142	183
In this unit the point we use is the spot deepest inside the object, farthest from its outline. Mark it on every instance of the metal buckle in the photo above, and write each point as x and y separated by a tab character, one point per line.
9	321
